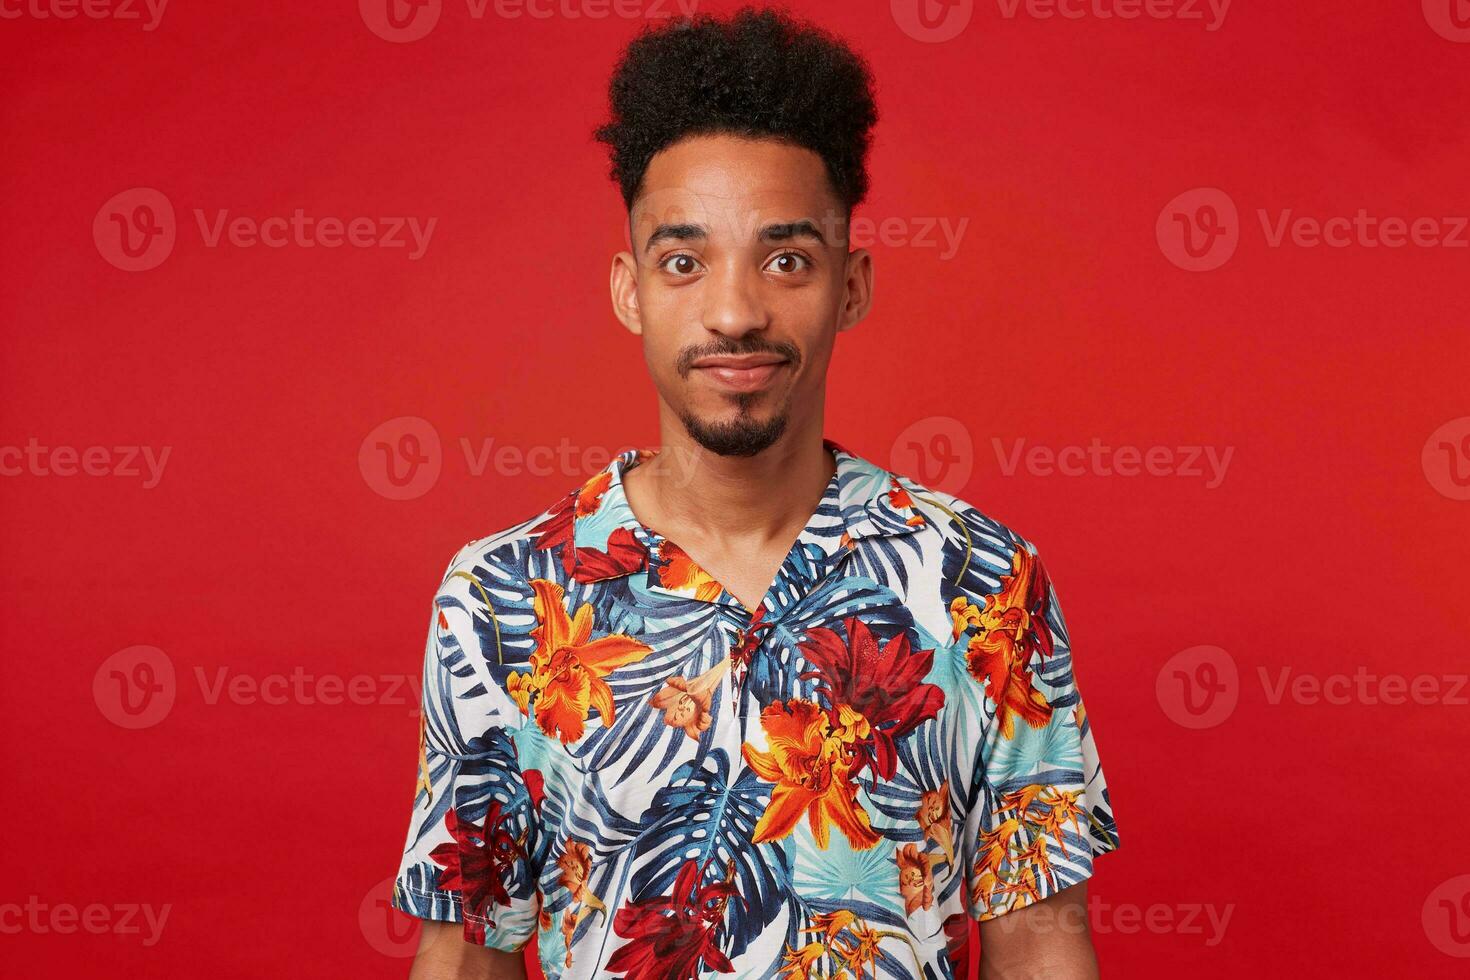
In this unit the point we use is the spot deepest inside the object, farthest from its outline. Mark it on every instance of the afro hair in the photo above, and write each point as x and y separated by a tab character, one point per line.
758	74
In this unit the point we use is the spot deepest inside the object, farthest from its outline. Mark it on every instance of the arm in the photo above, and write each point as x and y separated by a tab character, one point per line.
1047	940
444	955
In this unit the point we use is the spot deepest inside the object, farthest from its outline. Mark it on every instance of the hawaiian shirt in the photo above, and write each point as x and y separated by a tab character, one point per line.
618	758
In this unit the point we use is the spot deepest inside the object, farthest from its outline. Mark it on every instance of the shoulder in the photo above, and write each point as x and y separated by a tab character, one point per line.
957	525
507	556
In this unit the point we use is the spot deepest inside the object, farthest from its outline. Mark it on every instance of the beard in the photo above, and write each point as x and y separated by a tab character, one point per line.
744	435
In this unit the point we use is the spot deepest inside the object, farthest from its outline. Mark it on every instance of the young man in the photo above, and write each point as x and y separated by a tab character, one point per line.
749	704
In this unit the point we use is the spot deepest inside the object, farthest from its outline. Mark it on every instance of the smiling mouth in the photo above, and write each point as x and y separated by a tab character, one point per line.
739	374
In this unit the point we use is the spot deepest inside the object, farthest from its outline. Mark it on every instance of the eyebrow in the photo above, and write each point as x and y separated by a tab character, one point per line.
804	228
783	231
677	233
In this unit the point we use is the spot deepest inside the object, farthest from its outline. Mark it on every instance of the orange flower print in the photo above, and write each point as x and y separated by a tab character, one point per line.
567	668
569	923
576	864
680	573
933	817
915	878
1012	627
811	769
831	923
964	613
797	964
685	703
994	847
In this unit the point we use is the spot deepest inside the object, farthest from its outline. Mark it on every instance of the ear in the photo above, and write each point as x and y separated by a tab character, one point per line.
624	285
858	289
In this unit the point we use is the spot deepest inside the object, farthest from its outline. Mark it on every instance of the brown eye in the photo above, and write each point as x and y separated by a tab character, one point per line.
681	265
788	263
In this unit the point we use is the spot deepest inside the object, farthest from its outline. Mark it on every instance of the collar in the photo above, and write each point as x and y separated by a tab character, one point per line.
862	500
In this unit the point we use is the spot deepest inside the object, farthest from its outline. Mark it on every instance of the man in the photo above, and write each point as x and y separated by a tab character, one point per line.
749	704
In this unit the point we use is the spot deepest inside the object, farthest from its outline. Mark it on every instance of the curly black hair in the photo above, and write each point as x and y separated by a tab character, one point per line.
758	74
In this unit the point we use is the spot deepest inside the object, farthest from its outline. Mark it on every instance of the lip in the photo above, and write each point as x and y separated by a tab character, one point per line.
749	372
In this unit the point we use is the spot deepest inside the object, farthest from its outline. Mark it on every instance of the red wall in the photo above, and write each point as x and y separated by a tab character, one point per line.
1330	543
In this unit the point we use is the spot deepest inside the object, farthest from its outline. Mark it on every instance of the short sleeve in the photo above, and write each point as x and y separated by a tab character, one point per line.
474	833
1044	813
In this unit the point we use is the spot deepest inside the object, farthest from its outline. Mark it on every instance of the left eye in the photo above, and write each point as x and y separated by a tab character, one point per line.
789	262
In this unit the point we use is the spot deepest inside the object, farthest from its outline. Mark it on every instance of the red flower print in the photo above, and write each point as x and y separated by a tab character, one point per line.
477	862
670	936
876	695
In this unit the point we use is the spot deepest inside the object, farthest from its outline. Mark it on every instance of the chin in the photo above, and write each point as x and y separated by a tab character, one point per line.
740	435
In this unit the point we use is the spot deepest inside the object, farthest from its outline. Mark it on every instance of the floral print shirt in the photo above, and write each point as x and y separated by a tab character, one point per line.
619	758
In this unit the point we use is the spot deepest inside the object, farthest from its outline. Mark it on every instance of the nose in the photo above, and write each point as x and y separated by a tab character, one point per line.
732	302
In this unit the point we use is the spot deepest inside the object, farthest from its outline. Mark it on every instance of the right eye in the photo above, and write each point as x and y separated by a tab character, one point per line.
680	264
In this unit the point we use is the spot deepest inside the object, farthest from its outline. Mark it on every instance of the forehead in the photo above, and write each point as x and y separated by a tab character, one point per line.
732	185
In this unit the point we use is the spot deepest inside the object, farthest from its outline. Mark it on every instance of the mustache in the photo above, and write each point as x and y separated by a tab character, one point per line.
689	355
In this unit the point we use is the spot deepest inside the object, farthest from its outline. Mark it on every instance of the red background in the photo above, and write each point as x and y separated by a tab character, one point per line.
264	548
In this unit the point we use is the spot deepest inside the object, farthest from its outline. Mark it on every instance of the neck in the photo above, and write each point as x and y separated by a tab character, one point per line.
688	493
